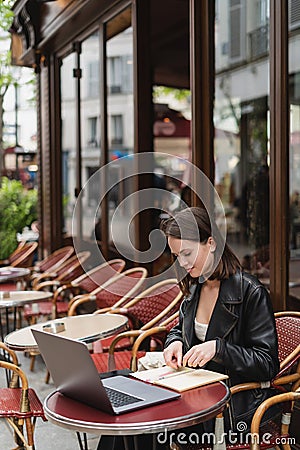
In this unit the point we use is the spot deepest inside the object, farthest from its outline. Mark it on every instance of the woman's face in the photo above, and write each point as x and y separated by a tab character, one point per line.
196	258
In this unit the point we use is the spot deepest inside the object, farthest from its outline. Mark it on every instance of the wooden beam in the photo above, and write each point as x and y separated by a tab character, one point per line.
202	85
279	148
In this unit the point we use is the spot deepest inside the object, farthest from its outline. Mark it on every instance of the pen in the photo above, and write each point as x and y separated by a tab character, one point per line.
173	374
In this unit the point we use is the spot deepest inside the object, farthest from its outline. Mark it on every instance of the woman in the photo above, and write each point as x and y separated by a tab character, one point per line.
226	321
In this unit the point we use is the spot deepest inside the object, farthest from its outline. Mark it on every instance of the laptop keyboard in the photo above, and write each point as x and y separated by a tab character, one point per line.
118	398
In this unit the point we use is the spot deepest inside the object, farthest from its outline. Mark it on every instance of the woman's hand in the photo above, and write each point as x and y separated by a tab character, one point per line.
200	354
173	354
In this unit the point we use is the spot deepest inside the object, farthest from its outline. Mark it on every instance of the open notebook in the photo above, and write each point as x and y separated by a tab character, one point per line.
181	379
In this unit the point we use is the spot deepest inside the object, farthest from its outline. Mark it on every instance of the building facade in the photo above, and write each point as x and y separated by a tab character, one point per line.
98	64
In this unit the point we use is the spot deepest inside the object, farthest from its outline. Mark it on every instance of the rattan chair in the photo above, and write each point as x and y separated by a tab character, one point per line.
62	274
286	388
19	404
149	309
146	309
23	255
52	262
13	256
69	271
124	359
85	283
116	291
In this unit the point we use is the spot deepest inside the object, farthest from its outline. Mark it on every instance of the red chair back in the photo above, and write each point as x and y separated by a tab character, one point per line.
24	256
55	259
288	331
146	309
72	268
121	288
99	275
15	253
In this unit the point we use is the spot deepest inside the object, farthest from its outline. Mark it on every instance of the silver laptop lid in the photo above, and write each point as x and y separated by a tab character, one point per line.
75	375
72	369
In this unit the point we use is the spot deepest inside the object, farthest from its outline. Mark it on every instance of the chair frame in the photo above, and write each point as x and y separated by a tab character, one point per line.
279	382
24	252
17	418
75	284
157	325
139	336
13	256
277	399
81	299
66	252
57	279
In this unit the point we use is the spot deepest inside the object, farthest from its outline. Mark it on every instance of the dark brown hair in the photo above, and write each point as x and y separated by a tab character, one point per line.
194	224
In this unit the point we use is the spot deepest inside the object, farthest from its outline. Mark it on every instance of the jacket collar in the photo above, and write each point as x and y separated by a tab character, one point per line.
224	316
230	290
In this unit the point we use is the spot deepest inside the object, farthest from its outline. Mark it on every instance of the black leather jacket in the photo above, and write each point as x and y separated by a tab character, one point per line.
243	325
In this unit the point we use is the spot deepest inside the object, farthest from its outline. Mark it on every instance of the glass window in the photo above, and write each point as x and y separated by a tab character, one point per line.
89	146
172	136
68	116
119	51
93	78
90	128
294	157
93	131
241	143
114	74
116	129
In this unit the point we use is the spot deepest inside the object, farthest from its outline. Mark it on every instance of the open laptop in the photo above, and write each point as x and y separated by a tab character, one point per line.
75	375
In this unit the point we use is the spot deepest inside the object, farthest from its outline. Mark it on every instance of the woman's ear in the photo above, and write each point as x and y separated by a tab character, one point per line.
212	244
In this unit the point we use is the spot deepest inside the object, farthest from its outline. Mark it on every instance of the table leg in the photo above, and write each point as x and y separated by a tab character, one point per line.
1	328
83	445
7	320
15	319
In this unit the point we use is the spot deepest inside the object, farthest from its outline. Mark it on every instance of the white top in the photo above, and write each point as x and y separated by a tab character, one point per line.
200	330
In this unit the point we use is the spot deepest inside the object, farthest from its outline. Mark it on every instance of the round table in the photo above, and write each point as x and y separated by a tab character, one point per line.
87	328
17	299
9	273
12	299
193	407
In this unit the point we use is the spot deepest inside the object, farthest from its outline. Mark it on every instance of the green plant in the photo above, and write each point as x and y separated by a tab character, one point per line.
18	209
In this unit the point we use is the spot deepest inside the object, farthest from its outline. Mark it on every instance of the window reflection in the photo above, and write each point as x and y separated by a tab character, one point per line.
241	144
119	50
68	116
89	147
172	136
90	129
294	157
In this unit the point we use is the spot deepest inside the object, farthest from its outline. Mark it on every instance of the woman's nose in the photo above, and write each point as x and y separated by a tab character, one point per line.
182	261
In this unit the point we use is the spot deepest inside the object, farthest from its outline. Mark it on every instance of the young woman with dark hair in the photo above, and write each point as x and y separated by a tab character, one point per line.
226	321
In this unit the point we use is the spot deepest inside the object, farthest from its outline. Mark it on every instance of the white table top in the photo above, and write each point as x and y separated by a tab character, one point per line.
87	328
10	299
12	273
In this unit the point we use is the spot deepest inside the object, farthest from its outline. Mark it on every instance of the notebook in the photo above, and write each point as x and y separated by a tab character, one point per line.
75	375
181	379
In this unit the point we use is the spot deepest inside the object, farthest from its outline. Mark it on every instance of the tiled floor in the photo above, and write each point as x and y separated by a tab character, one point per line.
47	435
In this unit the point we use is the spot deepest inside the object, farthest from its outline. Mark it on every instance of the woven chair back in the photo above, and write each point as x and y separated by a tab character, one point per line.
99	275
125	285
55	259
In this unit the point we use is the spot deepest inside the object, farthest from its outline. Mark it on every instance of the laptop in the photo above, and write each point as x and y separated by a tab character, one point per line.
75	375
